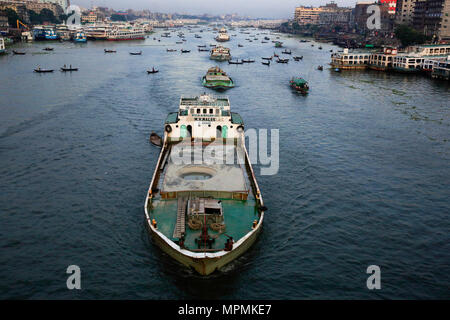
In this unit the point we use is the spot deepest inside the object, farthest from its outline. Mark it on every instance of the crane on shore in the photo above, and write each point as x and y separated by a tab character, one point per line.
27	33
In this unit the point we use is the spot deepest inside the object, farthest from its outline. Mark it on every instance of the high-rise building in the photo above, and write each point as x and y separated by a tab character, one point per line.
405	11
432	18
62	3
328	14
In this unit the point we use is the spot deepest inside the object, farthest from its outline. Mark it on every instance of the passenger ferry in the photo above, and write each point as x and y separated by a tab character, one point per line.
41	33
204	214
223	36
80	37
125	33
220	53
217	79
63	32
350	60
96	32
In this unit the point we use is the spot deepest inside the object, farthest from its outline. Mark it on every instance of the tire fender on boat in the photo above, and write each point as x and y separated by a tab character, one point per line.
168	129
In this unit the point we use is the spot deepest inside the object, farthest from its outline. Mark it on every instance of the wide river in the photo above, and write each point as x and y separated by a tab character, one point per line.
364	174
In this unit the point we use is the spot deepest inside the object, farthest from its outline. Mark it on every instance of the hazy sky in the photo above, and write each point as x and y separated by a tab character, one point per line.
253	8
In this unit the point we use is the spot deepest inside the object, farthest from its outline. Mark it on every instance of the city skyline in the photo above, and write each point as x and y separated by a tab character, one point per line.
256	9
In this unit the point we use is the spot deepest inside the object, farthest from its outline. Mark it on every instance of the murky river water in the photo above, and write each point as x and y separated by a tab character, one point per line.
364	174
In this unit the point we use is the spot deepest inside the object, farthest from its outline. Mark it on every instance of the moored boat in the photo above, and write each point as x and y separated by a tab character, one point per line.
155	139
19	52
204	215
80	37
123	33
217	79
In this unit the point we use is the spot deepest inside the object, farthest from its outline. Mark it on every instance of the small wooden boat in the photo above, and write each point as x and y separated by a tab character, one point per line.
171	50
202	46
185	51
136	53
248	60
179	42
19	52
320	68
70	69
282	60
266	63
287	52
240	45
320	48
235	62
203	50
298	58
299	85
109	51
155	139
152	71
39	70
267	58
48	49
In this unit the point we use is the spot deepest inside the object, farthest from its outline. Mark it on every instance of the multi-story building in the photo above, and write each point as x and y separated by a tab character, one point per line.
62	3
338	16
330	14
38	6
360	14
432	18
307	15
405	12
90	17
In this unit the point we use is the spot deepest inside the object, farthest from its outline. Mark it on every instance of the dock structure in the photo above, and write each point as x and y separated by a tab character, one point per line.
442	70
